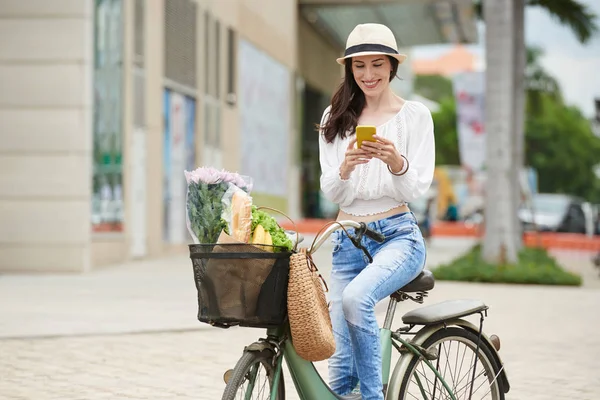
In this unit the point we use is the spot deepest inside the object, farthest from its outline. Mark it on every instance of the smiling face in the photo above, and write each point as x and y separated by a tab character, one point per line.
372	73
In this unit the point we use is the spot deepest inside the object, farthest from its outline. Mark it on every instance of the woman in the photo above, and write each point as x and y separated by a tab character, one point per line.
372	184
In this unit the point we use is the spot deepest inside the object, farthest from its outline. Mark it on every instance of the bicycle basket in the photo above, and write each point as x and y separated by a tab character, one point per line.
240	284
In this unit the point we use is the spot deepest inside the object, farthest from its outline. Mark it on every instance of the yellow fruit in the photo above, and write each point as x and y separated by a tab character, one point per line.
261	236
268	241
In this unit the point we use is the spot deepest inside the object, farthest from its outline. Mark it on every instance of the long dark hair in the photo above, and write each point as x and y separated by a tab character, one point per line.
347	104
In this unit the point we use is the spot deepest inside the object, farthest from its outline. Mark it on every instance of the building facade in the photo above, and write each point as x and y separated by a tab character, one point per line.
105	103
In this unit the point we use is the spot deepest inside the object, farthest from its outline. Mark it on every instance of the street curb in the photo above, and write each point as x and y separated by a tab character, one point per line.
548	240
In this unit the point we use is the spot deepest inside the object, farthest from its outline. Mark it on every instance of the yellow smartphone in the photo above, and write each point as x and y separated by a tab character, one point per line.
364	133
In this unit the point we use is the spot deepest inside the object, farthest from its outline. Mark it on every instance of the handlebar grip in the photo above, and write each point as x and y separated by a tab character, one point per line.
376	236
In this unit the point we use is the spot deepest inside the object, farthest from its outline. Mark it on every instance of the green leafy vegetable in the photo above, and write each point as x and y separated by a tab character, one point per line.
204	209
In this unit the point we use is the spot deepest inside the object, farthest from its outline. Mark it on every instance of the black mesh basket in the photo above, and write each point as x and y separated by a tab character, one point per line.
240	284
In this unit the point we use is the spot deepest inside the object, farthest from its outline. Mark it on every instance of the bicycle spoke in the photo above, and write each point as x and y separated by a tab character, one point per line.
468	374
448	378
427	380
456	366
461	365
491	382
248	390
410	394
466	386
424	375
448	362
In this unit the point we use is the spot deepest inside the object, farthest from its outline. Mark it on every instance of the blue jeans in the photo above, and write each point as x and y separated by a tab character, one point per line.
356	286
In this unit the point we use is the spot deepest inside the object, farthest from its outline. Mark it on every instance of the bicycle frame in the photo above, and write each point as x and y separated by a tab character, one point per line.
308	382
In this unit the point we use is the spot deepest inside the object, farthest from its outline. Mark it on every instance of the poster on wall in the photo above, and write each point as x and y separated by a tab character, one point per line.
264	104
179	155
469	92
107	175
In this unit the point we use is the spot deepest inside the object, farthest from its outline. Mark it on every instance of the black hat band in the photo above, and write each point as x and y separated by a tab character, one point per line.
359	48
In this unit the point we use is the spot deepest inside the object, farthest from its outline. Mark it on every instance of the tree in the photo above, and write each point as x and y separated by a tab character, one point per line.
434	87
559	140
505	108
571	13
446	135
538	83
501	229
563	149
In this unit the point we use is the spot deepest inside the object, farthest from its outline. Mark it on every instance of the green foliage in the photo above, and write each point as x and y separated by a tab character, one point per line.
204	210
434	87
539	83
446	135
560	145
559	142
278	236
535	266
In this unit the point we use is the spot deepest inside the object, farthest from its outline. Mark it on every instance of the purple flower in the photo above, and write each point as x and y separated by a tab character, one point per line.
206	175
210	175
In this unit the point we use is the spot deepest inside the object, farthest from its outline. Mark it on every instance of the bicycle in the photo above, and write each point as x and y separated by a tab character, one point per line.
420	372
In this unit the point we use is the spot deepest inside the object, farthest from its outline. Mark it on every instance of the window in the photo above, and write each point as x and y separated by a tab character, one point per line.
231	66
212	91
139	33
107	196
217	60
207	23
180	42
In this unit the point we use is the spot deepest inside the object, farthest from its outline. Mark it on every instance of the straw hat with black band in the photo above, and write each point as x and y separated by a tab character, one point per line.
371	39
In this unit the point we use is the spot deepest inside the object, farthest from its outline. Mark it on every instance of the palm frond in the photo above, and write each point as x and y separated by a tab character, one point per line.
572	13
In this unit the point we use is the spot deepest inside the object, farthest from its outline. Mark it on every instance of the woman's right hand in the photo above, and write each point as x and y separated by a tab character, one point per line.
354	157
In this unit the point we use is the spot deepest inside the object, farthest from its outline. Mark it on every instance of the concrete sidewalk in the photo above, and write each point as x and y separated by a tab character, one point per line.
142	296
130	332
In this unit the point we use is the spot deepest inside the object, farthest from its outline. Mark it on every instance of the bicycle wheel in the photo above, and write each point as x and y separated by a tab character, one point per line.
456	349
252	378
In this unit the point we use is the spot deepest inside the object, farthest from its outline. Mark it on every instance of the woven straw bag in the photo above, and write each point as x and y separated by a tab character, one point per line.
310	323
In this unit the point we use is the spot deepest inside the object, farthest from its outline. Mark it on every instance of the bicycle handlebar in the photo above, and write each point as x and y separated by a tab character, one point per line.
376	236
361	229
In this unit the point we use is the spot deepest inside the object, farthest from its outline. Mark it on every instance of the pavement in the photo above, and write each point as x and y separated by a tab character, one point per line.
130	332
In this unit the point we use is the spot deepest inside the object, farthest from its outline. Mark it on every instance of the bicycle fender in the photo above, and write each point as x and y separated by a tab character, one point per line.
425	332
503	376
257	347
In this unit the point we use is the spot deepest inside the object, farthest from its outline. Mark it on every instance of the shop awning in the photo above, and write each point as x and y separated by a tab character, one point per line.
414	22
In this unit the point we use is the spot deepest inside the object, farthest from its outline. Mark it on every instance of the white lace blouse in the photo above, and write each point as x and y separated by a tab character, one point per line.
371	188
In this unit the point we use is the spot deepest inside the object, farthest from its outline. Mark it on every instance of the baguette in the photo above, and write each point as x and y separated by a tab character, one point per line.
241	216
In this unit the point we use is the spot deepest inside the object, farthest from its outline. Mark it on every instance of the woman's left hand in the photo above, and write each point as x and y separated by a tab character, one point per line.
384	150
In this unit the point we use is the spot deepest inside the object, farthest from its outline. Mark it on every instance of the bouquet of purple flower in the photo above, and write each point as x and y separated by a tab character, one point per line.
204	206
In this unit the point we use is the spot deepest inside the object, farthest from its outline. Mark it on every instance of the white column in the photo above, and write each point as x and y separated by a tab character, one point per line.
45	135
154	63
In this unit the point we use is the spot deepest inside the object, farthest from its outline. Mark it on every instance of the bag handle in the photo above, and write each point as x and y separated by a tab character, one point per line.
312	267
288	218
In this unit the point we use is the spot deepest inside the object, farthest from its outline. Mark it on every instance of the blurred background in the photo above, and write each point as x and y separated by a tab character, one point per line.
105	103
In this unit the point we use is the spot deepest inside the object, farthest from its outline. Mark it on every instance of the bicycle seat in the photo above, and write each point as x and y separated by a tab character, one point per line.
422	283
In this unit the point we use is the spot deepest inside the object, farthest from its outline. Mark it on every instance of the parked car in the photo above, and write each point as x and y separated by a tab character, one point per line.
554	213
